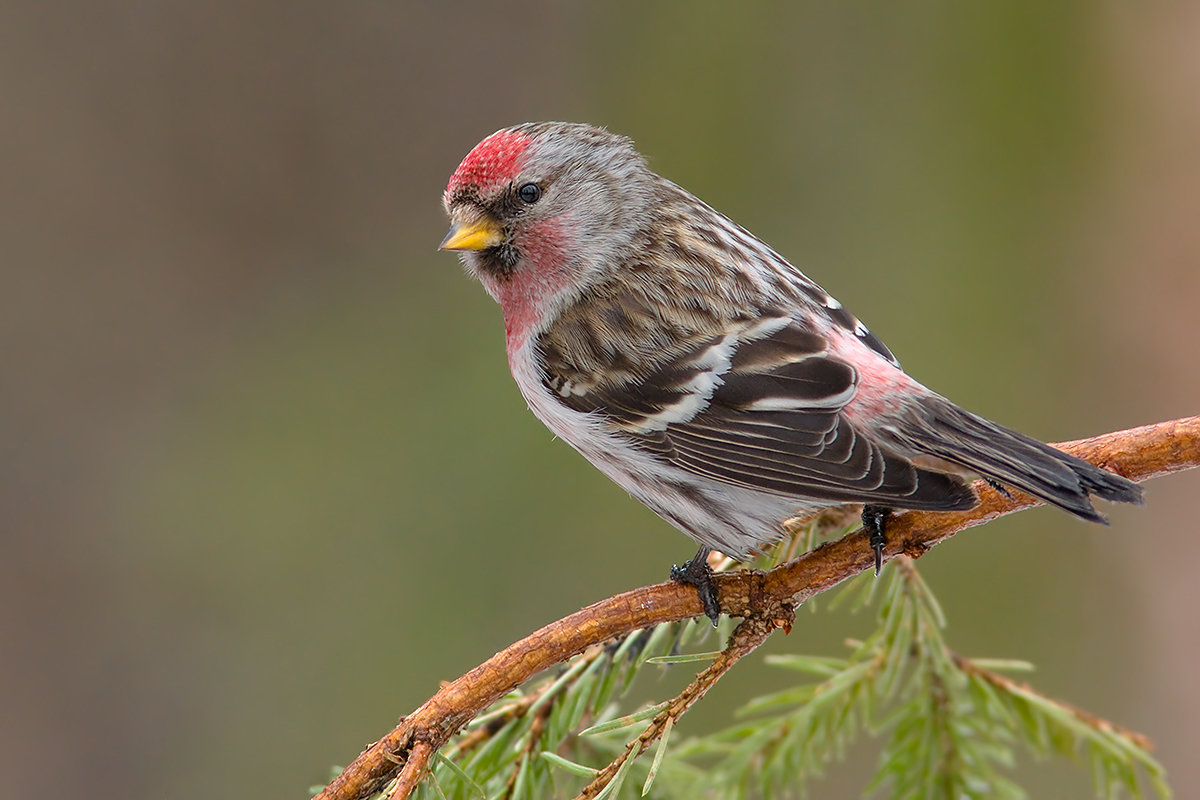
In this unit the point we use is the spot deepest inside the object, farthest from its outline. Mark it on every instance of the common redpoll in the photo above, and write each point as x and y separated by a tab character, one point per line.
702	372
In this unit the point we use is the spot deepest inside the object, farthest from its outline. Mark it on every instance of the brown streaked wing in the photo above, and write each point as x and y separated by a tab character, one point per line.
772	424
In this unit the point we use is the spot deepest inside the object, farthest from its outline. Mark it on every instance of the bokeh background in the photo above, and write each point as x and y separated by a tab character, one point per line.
265	479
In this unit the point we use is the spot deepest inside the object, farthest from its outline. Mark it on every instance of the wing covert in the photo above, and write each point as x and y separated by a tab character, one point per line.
759	407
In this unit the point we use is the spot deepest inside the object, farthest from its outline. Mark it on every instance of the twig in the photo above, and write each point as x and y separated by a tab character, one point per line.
516	709
1010	686
746	638
1138	454
413	769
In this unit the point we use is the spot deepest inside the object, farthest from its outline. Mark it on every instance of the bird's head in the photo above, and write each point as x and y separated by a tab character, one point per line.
541	210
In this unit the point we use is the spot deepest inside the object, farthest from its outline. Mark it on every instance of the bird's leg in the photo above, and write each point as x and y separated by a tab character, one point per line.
697	573
873	520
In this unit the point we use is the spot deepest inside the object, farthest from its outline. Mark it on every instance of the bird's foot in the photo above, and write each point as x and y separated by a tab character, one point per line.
998	486
697	573
874	519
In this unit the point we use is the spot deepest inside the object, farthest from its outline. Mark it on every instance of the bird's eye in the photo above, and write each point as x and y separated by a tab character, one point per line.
530	193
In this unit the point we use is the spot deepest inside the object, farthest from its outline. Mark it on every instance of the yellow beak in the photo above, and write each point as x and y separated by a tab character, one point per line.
475	235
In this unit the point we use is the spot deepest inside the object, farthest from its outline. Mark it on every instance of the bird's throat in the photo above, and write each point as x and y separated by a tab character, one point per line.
497	263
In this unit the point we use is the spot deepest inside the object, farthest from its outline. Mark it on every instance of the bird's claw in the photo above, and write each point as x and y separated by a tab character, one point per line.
999	487
696	572
873	521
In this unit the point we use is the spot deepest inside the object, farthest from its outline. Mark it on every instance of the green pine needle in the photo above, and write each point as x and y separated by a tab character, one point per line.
951	727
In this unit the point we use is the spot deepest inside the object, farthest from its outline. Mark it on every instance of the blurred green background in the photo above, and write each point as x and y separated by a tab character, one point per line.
265	478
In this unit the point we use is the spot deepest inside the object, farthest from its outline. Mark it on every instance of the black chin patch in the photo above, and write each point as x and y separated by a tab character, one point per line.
499	261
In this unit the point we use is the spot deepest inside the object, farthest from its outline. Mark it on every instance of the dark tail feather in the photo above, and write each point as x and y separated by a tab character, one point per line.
1021	461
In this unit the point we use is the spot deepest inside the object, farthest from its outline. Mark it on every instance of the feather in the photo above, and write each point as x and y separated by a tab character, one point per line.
759	407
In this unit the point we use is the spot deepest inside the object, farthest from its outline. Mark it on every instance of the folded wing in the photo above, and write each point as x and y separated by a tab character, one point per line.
760	407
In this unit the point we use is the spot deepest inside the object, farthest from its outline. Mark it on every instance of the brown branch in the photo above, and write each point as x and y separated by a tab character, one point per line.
746	638
413	768
1138	454
514	710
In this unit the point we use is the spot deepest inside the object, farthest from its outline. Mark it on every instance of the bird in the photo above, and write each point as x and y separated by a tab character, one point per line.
704	373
